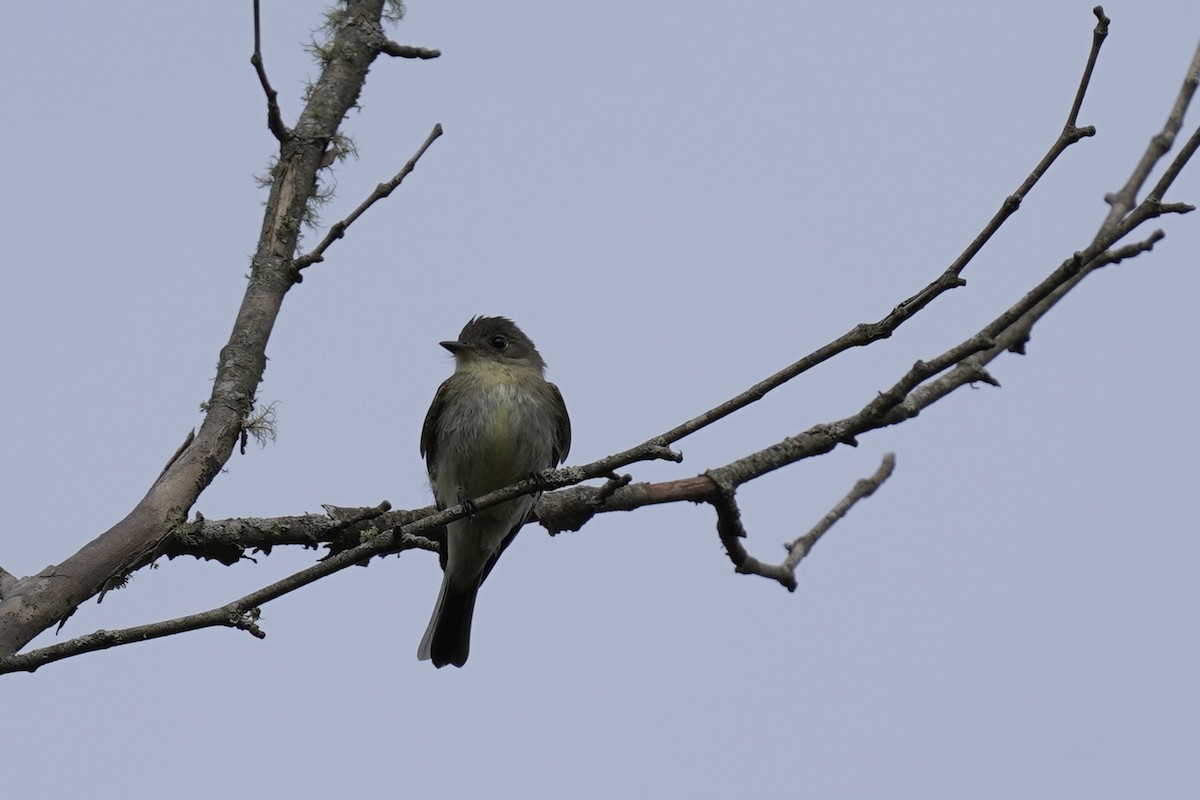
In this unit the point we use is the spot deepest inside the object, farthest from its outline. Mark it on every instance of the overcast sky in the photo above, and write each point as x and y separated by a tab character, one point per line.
674	199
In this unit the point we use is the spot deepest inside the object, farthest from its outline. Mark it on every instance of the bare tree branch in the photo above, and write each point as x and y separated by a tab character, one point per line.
1122	201
1099	34
274	115
157	526
39	601
717	486
232	540
902	401
1129	250
571	509
243	614
731	530
863	488
865	334
411	536
338	230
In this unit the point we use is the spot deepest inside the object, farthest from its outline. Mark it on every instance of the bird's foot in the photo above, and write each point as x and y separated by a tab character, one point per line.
464	500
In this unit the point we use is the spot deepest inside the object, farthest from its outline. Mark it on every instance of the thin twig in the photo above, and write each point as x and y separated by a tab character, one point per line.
338	230
102	640
274	115
1172	172
1099	34
731	531
867	333
920	386
1129	250
1122	201
1116	226
866	487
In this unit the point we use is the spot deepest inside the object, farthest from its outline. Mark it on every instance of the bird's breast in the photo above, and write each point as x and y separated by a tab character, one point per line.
506	434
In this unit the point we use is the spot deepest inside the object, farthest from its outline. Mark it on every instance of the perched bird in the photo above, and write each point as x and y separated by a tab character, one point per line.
494	422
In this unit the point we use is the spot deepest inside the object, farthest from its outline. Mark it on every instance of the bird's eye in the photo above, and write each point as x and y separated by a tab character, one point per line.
499	343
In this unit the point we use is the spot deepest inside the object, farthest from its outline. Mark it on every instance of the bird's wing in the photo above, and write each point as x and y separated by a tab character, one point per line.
562	427
429	430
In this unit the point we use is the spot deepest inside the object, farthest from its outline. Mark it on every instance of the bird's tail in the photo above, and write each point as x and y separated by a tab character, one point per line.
447	640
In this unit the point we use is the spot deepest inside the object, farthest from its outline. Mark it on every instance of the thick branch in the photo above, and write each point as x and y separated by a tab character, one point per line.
38	602
229	541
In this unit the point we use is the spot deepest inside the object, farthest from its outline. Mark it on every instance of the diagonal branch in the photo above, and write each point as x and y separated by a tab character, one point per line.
1172	172
1099	34
338	230
242	614
1122	201
863	488
865	334
38	601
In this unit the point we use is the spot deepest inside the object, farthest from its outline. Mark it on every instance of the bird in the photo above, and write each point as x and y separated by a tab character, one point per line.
494	422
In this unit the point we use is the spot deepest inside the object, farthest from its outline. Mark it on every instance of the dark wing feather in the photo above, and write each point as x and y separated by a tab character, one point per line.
429	450
562	425
428	430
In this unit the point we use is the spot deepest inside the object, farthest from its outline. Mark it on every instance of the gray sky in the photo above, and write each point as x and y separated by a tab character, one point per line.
674	199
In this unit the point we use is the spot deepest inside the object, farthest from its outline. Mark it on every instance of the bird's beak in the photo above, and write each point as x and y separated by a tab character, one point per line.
456	347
